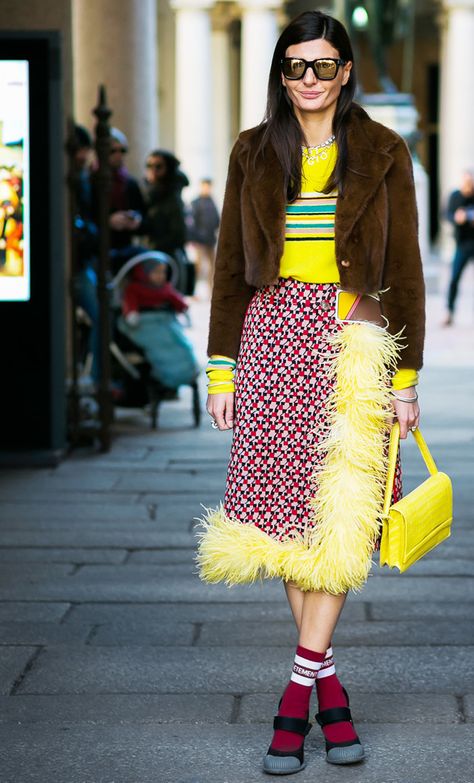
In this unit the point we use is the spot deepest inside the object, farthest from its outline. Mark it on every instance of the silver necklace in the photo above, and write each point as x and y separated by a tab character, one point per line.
319	152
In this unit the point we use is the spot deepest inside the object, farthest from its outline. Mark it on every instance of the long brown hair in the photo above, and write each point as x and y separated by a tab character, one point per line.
280	127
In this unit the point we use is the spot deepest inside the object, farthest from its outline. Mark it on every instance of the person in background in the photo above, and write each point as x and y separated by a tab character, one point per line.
164	221
204	224
126	200
460	213
86	236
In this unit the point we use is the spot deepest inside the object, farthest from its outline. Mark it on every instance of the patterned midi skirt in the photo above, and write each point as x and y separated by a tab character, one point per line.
305	478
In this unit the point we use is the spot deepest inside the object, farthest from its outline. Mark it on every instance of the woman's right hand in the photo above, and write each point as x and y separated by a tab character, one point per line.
221	408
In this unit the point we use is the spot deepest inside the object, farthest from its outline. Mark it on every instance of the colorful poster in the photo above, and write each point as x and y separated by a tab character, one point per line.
14	182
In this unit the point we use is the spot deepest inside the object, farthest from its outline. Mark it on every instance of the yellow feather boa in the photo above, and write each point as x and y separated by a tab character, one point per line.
335	554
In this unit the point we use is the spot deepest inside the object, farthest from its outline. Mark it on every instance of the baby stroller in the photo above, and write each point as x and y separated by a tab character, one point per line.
151	357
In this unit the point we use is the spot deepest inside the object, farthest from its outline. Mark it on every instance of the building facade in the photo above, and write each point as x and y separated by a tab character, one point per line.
188	75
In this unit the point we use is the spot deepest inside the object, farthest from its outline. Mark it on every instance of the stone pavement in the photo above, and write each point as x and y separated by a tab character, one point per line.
117	665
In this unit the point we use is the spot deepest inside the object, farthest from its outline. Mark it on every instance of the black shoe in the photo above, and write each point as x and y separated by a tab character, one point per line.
282	762
340	752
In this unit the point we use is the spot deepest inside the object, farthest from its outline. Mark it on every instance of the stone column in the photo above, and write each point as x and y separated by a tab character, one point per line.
457	91
222	109
193	91
115	43
259	36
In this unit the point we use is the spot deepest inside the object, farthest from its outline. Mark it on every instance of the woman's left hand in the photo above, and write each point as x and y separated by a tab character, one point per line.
407	413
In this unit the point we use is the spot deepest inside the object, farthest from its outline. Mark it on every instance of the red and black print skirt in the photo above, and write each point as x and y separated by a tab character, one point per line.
282	385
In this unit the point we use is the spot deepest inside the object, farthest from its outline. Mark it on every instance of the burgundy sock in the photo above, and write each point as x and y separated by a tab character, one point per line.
330	694
295	701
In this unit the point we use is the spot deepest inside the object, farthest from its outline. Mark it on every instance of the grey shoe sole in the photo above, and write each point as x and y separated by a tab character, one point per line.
345	755
282	765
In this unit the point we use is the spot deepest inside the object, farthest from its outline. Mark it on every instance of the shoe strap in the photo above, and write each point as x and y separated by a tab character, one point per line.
296	725
334	715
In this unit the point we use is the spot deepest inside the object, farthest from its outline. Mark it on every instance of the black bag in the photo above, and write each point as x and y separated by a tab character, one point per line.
186	273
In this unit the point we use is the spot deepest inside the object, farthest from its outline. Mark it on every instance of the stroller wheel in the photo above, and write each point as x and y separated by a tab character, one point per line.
196	404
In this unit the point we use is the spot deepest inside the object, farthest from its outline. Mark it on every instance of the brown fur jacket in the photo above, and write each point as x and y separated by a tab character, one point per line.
376	234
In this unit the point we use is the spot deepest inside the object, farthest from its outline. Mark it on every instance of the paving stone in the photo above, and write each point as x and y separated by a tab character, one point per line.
225	754
366	707
459	537
404	632
117	454
62	555
418	588
130	632
140	583
430	566
117	708
42	633
139	572
177	582
127	538
25	611
87	524
192	612
12	662
30	573
180	523
185	461
15	483
195	482
172	509
469	706
162	556
424	610
178	454
454	551
246	634
51	496
232	670
58	510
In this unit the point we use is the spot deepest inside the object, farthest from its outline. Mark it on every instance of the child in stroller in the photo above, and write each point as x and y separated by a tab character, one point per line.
150	304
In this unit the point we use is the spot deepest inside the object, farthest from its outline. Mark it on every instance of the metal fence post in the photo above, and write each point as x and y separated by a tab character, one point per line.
103	182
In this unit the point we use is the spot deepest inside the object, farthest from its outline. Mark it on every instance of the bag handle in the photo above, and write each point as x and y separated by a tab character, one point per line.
392	461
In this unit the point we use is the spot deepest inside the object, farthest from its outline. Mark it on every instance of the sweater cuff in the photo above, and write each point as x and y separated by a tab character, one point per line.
221	388
220	374
405	378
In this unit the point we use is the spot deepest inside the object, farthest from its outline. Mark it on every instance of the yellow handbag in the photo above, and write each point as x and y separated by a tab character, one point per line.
420	520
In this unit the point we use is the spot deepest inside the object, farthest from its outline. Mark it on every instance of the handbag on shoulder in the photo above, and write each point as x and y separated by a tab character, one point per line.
422	519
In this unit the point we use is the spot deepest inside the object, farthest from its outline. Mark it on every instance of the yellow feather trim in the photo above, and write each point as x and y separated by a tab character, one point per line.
335	554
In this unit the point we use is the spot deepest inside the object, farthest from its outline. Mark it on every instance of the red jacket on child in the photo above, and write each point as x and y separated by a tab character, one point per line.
141	294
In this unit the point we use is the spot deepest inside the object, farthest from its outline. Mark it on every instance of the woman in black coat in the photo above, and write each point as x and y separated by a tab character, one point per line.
164	221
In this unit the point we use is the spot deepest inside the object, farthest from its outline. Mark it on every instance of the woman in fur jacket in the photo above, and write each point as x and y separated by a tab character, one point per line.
316	337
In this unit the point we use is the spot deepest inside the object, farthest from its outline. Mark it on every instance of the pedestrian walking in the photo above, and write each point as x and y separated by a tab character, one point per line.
204	224
318	281
460	213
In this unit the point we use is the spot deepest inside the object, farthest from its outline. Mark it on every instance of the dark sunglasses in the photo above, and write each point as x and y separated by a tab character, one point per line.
324	69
